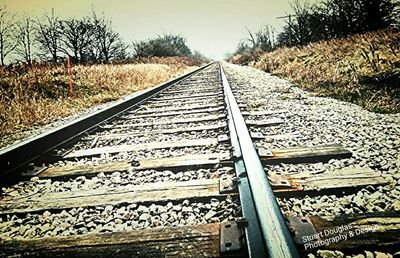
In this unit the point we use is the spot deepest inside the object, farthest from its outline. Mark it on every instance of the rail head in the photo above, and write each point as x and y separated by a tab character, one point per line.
276	235
25	152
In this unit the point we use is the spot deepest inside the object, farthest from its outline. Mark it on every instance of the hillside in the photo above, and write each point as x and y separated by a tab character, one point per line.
362	69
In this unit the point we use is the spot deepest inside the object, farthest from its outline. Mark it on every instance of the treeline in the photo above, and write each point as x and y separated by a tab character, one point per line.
327	20
91	39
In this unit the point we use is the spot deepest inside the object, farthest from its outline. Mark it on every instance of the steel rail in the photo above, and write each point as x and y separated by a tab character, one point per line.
254	239
276	235
19	155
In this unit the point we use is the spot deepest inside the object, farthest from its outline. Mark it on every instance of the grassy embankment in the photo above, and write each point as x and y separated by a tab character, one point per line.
362	69
38	95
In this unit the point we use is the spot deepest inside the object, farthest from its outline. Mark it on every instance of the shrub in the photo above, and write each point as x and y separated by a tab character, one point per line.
166	45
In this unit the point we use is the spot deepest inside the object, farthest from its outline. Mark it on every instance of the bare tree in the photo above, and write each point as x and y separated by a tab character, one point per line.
243	46
262	39
336	18
252	38
395	16
7	36
78	37
49	35
265	38
121	51
106	41
25	36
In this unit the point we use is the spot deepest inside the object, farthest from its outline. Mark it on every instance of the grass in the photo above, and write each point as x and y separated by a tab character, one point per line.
38	95
362	69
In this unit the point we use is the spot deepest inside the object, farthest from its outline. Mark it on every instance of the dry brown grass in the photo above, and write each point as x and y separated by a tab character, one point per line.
38	95
363	69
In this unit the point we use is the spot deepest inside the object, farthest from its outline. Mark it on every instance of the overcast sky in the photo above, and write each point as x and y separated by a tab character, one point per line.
213	27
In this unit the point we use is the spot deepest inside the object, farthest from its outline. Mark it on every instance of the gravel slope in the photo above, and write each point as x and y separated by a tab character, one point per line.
310	121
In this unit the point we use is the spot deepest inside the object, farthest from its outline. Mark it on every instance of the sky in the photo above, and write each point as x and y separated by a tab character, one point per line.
213	27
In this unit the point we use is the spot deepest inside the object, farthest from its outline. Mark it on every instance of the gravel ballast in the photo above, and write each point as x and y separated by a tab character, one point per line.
112	181
372	138
77	221
311	121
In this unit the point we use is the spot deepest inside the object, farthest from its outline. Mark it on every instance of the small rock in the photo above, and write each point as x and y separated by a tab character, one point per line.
30	233
156	223
82	230
369	254
34	179
64	214
210	214
108	219
214	203
79	224
143	208
80	178
116	180
358	200
153	208
375	196
46	214
381	255
64	226
101	175
116	174
396	205
339	254
169	205
144	217
164	217
132	206
45	228
120	227
134	224
121	211
118	221
162	209
172	217
177	208
326	254
214	220
187	209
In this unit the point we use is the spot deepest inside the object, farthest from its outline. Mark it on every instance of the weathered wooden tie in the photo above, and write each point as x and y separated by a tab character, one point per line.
145	110
341	181
359	231
302	155
190	96
189	241
174	121
144	164
165	191
266	122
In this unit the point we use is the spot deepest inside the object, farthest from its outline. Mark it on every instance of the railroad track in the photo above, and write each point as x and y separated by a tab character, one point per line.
184	169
